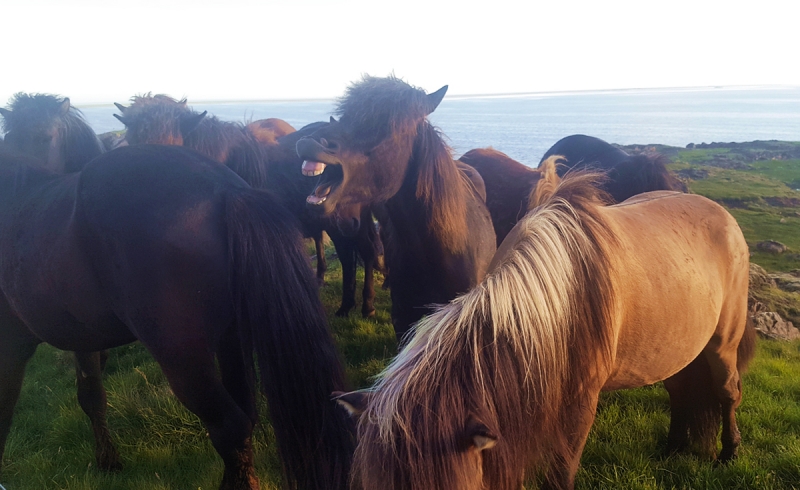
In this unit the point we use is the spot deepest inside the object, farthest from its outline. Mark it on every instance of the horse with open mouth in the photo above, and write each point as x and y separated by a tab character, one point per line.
263	154
383	152
501	384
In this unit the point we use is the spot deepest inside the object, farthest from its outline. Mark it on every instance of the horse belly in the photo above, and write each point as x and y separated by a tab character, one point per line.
654	352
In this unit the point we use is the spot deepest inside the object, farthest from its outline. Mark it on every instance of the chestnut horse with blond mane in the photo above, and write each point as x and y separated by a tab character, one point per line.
502	383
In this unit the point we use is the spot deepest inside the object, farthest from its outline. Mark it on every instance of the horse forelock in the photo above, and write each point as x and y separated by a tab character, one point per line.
376	108
512	352
38	111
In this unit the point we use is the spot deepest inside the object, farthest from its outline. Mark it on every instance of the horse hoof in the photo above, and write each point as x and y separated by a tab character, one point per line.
342	312
110	463
369	313
726	456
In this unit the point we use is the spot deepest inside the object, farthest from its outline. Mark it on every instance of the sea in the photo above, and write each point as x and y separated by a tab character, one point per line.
524	126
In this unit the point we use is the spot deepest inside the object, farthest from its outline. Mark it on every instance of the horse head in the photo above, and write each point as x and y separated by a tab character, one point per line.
157	119
362	158
453	459
34	124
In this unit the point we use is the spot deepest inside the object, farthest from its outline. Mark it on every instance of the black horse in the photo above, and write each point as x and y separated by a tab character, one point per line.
47	127
384	152
628	175
161	245
263	154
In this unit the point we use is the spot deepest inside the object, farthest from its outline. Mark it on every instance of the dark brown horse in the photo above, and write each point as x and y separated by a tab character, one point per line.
47	127
628	175
255	151
164	246
509	182
502	384
383	151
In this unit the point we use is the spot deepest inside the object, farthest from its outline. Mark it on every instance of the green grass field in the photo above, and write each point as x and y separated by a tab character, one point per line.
163	446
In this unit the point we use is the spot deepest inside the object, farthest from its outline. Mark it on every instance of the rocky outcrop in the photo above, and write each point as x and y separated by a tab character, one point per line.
770	325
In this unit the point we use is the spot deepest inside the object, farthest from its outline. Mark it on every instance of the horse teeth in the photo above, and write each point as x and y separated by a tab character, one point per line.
312	199
312	169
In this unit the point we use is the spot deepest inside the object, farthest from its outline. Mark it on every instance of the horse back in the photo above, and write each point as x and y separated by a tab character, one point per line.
679	264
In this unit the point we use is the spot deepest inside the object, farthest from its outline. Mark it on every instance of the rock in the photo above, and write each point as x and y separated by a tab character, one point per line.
771	246
770	325
786	281
759	277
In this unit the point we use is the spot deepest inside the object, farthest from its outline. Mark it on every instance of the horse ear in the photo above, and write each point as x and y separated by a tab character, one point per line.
5	113
121	119
190	122
120	107
64	109
435	98
333	119
479	436
354	402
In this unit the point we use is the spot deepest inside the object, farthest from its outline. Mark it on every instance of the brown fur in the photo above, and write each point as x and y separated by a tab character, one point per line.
570	306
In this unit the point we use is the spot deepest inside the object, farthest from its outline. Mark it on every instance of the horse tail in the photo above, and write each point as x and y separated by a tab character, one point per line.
747	346
279	315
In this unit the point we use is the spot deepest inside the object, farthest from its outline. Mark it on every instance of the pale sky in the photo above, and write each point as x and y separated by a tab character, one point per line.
101	51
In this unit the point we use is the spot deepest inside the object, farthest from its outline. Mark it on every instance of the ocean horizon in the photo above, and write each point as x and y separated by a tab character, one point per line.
524	126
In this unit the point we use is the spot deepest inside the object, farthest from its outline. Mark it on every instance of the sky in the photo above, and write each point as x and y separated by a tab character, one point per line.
102	51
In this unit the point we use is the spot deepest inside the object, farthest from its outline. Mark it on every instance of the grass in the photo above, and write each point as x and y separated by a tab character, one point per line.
164	446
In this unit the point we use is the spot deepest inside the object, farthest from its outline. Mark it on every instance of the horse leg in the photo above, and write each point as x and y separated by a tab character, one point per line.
694	409
346	250
367	250
92	398
192	375
17	346
577	421
236	377
322	263
722	360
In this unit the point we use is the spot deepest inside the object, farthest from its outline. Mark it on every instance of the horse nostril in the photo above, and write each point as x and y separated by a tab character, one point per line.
329	145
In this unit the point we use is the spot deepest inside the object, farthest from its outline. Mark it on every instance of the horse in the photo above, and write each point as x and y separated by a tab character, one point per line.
164	246
502	383
628	175
509	182
49	128
253	151
384	152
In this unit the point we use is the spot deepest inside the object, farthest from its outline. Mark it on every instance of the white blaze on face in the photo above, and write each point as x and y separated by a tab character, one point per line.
312	169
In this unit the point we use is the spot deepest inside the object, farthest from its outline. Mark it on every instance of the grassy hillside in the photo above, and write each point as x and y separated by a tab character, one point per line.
165	447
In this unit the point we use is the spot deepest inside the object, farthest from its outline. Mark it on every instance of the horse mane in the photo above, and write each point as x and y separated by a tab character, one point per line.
441	186
648	171
582	186
39	112
511	353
